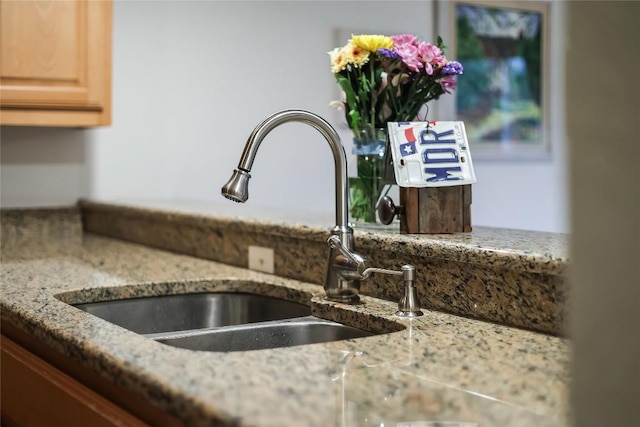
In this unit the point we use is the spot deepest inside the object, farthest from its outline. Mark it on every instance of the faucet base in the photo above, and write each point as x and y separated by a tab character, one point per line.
400	313
345	298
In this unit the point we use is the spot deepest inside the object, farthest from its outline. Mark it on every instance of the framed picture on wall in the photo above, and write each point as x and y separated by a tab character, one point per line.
503	95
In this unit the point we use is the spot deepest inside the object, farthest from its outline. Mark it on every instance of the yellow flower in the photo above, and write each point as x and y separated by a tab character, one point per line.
356	55
372	42
339	59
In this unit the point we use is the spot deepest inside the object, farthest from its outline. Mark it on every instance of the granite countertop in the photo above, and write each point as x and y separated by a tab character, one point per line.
526	250
441	367
506	276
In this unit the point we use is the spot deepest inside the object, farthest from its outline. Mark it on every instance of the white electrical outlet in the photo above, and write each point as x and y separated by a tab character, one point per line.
261	259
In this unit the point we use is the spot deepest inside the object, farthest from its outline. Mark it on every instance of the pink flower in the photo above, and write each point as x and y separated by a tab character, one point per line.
428	69
410	56
403	39
429	53
449	83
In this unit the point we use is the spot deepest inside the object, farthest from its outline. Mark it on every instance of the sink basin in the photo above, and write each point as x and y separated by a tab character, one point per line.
259	336
221	321
167	313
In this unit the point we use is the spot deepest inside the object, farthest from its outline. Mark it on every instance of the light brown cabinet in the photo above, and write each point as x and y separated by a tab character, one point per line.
36	393
41	386
55	67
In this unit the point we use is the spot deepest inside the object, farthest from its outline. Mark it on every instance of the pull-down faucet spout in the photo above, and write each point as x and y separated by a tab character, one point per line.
340	284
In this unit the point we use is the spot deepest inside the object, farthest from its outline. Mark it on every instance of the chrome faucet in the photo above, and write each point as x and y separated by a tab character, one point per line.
345	267
342	277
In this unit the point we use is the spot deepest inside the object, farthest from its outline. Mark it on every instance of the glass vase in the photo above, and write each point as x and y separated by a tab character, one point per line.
367	186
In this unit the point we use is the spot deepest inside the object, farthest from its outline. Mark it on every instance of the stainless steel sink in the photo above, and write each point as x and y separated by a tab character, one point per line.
259	336
222	322
167	313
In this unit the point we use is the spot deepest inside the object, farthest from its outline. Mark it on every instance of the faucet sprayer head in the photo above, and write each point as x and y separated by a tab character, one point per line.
237	188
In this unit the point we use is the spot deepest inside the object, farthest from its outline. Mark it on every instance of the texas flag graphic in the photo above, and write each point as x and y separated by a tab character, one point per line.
408	149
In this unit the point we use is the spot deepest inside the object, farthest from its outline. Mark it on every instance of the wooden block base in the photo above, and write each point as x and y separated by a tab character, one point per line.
436	210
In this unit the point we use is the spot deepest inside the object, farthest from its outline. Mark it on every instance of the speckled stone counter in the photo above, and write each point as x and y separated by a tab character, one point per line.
439	367
511	277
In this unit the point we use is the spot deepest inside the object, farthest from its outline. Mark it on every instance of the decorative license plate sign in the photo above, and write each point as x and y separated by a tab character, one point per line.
430	154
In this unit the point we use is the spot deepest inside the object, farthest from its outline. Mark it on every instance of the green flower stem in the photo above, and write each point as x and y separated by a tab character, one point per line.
366	187
372	106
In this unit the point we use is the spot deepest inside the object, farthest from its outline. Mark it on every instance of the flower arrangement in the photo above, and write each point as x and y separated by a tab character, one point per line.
386	79
389	79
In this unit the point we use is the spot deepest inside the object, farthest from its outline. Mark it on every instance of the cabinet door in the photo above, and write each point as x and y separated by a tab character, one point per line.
35	393
55	67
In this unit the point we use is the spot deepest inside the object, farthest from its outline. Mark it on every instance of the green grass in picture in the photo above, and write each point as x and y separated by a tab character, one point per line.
519	121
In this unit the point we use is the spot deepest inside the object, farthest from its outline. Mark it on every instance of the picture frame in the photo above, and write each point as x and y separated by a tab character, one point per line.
503	97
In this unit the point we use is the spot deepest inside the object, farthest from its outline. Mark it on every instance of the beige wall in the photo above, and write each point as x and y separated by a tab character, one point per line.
603	123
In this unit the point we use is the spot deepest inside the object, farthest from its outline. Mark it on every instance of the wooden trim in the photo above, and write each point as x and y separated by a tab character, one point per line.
49	106
138	407
51	117
36	393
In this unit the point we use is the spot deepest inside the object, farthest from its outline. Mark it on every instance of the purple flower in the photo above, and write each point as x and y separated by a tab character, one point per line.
452	68
389	53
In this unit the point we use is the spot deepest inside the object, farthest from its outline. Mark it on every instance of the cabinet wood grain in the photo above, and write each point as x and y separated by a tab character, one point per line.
35	393
55	67
24	356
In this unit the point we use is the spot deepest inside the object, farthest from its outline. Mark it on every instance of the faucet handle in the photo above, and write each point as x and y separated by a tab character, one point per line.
335	243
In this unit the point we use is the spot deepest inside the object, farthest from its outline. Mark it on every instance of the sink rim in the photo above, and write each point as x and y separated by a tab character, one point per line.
184	312
271	288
